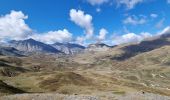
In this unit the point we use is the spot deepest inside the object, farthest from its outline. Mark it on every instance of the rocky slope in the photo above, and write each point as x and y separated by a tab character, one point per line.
98	47
144	46
69	48
31	45
144	73
10	51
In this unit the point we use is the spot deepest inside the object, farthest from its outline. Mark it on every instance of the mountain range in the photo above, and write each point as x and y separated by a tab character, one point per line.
22	47
141	69
68	48
10	51
31	46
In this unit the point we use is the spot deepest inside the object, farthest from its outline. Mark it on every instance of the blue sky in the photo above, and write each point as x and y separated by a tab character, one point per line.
111	21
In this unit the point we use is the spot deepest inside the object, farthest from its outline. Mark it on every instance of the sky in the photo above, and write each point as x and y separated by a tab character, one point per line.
84	21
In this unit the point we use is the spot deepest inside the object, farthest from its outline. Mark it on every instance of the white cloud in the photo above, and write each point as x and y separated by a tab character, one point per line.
102	34
154	15
166	30
134	20
130	4
160	23
54	36
97	2
146	35
126	38
131	37
13	26
98	9
168	1
83	20
80	40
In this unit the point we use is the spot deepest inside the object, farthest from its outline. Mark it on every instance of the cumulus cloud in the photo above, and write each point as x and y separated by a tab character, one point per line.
134	20
97	2
154	15
165	31
83	20
130	4
80	40
54	36
102	34
146	35
13	26
131	37
126	38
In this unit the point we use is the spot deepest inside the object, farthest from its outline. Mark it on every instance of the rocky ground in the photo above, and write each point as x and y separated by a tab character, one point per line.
47	97
141	96
52	96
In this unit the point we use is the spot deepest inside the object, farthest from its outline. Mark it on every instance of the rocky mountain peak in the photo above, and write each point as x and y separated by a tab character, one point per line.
68	48
31	45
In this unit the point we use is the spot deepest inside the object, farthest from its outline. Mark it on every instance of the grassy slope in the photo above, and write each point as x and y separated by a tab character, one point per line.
7	89
97	73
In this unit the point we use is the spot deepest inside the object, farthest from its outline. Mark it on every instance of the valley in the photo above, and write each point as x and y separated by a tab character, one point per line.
139	70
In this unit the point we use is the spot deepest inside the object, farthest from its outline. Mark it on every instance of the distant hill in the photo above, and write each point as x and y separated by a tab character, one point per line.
69	48
98	47
144	46
9	51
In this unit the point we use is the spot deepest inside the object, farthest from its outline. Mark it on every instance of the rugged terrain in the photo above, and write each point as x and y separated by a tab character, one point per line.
140	71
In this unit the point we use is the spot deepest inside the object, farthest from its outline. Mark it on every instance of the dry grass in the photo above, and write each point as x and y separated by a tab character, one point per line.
94	73
7	89
63	79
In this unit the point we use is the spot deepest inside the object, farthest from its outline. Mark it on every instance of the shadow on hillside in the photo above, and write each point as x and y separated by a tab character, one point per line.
14	68
145	46
5	88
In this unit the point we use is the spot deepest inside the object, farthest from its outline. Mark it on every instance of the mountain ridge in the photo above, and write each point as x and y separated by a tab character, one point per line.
69	48
31	45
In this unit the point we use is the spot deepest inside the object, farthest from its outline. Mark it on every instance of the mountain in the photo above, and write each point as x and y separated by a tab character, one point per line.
144	46
144	68
98	47
69	48
31	45
10	51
